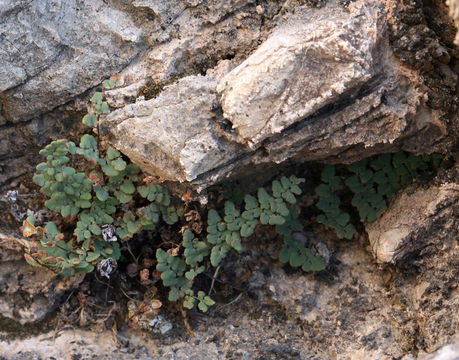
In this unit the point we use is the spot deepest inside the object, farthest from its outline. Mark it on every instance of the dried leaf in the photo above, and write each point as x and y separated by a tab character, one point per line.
153	180
186	198
144	277
28	229
95	179
174	251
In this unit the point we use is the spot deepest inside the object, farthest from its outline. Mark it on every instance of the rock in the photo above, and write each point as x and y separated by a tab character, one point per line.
447	352
310	62
150	135
67	344
425	253
323	86
28	294
64	56
55	50
454	13
346	314
412	218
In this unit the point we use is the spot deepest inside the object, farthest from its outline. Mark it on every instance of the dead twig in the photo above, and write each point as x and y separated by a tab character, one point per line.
213	279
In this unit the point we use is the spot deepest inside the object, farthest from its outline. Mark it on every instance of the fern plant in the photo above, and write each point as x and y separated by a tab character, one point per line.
330	203
225	232
373	183
92	201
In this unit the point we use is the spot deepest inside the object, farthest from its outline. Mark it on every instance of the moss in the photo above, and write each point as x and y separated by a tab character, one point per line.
12	329
152	89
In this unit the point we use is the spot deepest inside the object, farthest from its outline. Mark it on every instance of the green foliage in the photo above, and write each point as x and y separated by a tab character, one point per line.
225	232
99	203
91	200
233	193
373	183
329	203
293	251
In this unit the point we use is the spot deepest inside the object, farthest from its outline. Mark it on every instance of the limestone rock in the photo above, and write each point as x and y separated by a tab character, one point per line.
330	89
55	50
410	221
174	135
302	67
447	352
28	294
324	85
418	234
454	13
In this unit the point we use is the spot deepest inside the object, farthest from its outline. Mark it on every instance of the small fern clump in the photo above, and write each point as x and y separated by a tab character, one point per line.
91	200
108	203
225	232
330	203
373	183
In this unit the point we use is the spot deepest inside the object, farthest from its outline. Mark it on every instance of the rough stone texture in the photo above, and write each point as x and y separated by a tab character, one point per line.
27	294
447	352
402	230
45	60
52	51
324	85
425	254
454	13
150	135
303	66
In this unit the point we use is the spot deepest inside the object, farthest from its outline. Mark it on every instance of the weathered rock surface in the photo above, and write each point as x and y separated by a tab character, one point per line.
306	64
52	51
27	294
447	352
324	85
402	230
45	61
454	13
183	148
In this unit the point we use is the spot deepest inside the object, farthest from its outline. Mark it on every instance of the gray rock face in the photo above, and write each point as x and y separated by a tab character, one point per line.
176	148
52	51
27	294
399	233
324	85
303	66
